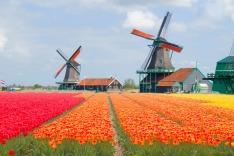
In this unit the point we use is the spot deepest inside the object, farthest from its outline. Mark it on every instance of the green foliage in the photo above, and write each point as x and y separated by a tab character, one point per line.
37	86
29	146
129	84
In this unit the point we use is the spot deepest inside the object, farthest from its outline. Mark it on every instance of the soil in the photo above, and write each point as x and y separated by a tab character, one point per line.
118	148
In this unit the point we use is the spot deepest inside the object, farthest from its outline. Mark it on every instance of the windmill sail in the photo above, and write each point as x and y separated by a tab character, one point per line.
62	54
148	58
142	34
72	71
164	26
158	57
59	71
76	53
171	46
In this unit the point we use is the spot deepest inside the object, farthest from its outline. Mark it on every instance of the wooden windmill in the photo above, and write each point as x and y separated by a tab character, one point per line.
158	62
72	75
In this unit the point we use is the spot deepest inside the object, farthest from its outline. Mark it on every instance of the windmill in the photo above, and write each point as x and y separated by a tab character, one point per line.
72	75
158	62
223	79
229	68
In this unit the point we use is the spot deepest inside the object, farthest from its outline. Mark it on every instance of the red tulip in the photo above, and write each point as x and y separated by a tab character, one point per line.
11	152
3	141
22	112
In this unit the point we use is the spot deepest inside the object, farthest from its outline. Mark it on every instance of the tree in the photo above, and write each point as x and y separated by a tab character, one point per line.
37	86
129	84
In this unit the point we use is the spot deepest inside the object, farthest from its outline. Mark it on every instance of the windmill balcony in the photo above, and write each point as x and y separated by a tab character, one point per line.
156	70
210	75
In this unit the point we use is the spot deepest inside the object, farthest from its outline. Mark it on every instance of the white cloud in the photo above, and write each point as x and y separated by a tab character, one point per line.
141	19
113	5
217	9
3	41
178	27
229	8
179	3
211	13
15	51
147	20
205	22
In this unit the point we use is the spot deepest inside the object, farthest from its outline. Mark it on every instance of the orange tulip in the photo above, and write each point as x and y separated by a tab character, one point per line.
89	122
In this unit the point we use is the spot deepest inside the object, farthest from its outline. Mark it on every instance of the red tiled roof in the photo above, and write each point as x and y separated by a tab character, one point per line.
180	75
96	81
166	83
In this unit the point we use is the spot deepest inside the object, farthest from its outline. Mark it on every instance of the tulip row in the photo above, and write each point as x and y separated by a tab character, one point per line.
89	122
22	112
202	104
220	100
85	95
205	128
222	105
145	125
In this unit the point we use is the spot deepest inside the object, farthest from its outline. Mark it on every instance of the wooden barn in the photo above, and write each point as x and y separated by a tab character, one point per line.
99	84
184	79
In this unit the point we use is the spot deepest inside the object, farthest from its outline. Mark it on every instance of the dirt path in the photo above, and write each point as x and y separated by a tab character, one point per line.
118	148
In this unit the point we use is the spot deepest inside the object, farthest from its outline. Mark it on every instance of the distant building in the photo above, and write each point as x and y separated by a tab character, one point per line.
223	80
99	84
184	79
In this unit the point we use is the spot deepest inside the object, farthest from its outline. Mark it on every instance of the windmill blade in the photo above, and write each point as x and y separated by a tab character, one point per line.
164	25
142	34
76	53
148	58
59	71
62	54
74	68
232	49
171	46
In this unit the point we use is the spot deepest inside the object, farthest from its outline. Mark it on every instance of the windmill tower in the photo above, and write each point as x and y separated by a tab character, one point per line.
223	79
158	62
72	75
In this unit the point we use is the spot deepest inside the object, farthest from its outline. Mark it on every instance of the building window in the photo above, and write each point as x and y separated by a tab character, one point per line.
160	61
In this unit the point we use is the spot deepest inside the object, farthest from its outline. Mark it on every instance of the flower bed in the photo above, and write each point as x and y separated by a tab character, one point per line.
201	124
88	123
22	112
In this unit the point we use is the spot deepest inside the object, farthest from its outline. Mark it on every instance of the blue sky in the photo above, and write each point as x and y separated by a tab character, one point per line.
31	32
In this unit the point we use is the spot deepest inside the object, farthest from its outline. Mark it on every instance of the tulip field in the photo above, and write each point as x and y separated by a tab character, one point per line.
105	124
